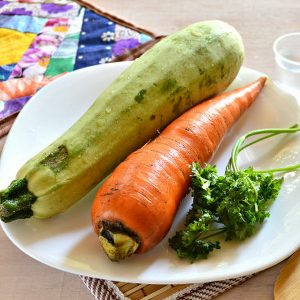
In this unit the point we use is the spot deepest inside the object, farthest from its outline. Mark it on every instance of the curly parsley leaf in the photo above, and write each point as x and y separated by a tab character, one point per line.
190	243
238	200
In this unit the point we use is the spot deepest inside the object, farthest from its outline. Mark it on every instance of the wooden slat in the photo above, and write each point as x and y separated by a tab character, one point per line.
146	290
157	293
137	295
149	291
127	287
120	284
151	288
131	291
173	290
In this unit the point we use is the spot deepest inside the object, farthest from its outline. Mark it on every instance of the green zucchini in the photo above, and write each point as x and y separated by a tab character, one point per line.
178	72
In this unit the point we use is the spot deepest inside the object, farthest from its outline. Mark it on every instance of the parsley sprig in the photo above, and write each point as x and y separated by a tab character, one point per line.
233	204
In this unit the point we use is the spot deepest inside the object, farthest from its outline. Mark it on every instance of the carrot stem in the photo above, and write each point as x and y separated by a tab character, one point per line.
238	147
214	233
278	170
263	138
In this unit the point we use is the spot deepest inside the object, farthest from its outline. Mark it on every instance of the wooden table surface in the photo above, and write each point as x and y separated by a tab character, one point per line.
259	23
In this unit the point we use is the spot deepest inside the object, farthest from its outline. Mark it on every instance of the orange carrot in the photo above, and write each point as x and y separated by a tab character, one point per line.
134	208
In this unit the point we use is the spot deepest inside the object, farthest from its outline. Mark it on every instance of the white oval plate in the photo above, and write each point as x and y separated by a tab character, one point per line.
67	242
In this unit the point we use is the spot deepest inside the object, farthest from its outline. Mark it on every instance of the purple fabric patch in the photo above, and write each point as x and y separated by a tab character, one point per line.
12	106
19	11
121	46
2	3
52	8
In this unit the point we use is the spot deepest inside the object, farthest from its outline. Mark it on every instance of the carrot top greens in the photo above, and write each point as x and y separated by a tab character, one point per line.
232	205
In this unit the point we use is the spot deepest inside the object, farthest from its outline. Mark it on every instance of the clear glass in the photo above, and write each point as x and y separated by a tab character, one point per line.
287	56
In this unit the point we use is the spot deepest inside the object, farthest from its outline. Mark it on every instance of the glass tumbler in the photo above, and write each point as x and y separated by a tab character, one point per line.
287	56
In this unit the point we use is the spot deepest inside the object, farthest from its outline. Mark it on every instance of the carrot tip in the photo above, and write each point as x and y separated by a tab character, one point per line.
263	79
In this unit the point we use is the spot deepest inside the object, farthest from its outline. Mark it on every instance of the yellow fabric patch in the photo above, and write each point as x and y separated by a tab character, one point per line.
60	28
13	44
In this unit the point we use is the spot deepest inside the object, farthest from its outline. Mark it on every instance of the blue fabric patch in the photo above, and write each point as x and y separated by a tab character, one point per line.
145	38
96	40
5	71
23	23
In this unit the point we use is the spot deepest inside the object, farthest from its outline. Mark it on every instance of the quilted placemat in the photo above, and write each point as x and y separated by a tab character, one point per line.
41	40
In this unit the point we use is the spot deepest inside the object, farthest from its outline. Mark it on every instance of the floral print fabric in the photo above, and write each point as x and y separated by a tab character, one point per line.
20	87
40	39
36	59
96	40
42	1
44	10
63	59
101	40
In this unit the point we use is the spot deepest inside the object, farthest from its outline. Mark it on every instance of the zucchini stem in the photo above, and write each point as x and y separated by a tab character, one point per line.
16	201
